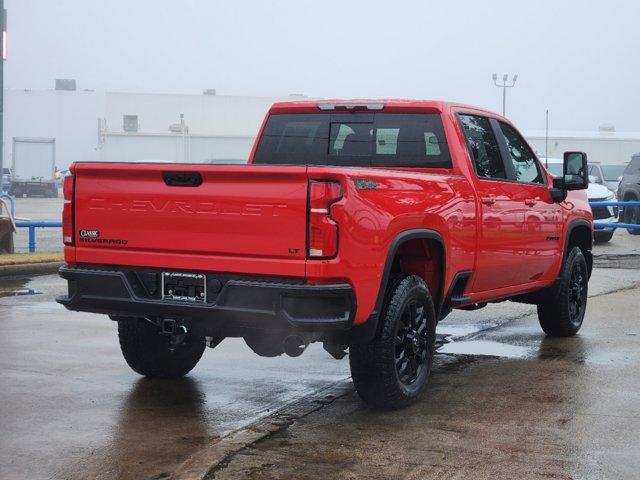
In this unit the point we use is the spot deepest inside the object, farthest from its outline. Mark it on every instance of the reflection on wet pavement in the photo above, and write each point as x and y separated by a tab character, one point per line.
486	347
166	418
16	287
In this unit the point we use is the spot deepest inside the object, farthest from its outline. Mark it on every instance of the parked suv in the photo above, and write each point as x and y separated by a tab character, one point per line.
629	189
359	224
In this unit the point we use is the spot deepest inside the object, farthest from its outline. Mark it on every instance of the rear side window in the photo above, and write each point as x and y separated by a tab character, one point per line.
483	146
381	139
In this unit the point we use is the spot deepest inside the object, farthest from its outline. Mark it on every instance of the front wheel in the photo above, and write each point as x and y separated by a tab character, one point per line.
392	371
152	354
561	315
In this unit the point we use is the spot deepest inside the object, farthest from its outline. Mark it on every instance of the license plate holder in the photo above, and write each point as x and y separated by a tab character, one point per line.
184	287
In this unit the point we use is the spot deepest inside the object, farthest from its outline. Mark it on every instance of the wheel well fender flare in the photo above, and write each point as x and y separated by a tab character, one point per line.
366	331
578	223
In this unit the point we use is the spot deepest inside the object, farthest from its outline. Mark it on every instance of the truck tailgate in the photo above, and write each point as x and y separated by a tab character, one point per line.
241	218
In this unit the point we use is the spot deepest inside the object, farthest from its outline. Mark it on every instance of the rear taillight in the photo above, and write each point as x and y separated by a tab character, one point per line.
323	230
68	186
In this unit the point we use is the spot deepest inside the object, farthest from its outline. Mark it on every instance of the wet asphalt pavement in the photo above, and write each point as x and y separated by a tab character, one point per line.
535	408
71	408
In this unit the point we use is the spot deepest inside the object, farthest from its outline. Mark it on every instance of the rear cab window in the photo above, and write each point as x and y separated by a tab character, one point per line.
483	146
354	139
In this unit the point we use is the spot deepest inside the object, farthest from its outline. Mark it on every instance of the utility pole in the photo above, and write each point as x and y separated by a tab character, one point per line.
3	24
504	85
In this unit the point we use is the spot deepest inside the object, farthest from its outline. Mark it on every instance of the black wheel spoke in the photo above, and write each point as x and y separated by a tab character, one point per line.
405	318
411	341
413	306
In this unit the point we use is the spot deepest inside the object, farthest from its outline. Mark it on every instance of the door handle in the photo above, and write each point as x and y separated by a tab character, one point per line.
531	201
488	200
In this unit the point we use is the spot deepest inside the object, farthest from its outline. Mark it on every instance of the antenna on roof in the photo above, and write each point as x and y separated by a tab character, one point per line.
546	140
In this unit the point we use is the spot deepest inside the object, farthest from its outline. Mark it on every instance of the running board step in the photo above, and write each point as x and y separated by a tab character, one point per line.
458	301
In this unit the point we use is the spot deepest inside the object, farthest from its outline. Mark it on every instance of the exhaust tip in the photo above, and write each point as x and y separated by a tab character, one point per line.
294	345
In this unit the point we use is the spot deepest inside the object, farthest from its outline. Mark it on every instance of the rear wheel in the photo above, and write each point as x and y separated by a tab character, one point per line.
392	371
602	237
561	315
152	354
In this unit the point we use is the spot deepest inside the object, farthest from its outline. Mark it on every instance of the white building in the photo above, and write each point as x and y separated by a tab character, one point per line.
71	118
604	146
95	126
150	127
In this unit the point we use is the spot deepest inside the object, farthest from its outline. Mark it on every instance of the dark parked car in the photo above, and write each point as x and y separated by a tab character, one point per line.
629	189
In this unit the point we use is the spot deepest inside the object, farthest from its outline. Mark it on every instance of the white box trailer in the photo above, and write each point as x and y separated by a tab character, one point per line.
34	167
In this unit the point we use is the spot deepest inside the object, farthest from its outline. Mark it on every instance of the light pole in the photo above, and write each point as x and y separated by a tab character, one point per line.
504	85
3	24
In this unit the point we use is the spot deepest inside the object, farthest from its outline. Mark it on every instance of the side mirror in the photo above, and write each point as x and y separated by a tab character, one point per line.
575	174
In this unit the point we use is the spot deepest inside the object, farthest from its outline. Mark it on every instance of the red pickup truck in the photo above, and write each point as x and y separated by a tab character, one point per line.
359	224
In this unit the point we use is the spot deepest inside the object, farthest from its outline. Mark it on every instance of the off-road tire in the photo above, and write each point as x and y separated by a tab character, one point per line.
264	344
559	315
373	365
602	237
152	354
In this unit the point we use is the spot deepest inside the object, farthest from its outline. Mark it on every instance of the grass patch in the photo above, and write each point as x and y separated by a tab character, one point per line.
23	258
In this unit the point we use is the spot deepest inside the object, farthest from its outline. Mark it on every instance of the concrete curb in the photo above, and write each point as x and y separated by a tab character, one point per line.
203	464
29	269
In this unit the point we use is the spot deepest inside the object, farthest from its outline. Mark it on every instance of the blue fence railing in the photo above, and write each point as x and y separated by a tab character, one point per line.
32	225
631	226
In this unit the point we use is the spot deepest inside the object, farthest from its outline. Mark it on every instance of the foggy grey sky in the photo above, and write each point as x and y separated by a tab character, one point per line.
578	58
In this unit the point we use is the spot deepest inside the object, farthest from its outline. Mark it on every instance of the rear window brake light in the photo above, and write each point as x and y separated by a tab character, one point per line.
350	106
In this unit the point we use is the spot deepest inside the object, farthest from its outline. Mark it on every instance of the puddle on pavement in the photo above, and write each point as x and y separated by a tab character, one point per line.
450	340
486	348
457	331
19	292
17	288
